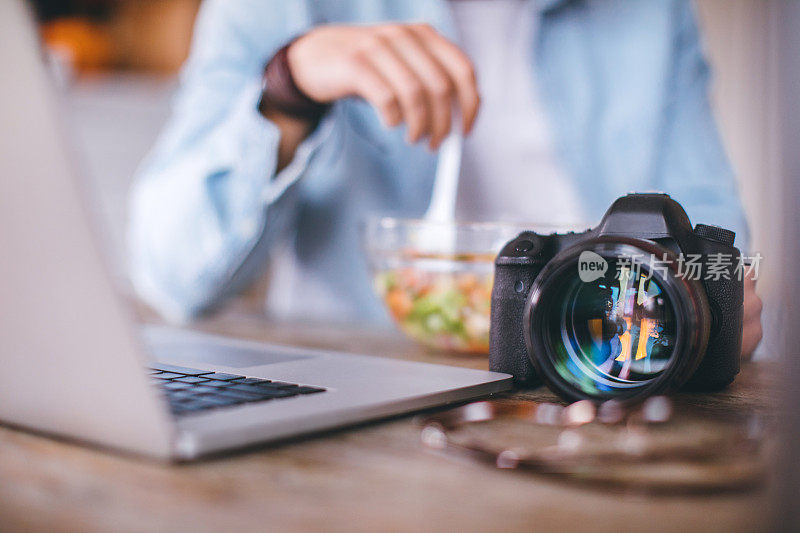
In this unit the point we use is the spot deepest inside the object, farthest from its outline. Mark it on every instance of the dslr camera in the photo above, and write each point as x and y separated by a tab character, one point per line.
642	304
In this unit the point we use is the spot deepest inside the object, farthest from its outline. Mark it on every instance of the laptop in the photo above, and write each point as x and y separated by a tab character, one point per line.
76	365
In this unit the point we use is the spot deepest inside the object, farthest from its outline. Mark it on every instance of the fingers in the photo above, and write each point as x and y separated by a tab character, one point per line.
459	68
372	87
752	302
751	337
752	307
411	73
405	84
434	78
752	331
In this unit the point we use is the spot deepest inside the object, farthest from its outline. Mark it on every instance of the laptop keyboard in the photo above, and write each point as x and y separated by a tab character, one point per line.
190	390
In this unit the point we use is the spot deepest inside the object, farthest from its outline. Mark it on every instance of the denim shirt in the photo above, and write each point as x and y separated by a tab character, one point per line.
624	83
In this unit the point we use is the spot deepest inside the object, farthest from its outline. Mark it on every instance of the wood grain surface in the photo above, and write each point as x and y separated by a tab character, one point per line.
376	477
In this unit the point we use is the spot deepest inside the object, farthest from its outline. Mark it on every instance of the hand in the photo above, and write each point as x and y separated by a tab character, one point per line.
751	332
408	72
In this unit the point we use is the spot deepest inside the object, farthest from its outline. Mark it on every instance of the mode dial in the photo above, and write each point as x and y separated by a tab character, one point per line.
715	233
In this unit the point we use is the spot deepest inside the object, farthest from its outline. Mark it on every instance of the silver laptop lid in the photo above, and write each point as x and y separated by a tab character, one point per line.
71	364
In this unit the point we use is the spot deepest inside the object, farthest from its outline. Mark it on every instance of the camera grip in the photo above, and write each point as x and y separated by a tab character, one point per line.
721	361
507	350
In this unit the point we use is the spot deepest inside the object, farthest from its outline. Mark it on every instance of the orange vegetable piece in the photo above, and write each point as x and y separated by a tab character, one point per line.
399	303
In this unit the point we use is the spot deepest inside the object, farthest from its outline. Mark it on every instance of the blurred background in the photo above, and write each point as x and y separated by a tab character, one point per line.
117	62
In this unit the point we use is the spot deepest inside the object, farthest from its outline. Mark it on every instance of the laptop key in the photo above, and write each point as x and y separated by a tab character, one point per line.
202	389
282	385
309	390
252	389
168	375
190	394
220	401
280	393
265	392
175	385
179	395
179	369
190	379
216	384
238	395
221	376
253	381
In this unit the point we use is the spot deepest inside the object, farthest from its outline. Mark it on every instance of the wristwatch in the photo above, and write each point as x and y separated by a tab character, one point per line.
280	92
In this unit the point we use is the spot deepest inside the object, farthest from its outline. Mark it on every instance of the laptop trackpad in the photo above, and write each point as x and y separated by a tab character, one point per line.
179	346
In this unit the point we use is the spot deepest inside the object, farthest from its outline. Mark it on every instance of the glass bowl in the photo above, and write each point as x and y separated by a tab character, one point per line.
435	279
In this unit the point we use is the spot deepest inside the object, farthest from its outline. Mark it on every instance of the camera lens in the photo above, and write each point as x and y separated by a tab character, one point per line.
603	322
613	332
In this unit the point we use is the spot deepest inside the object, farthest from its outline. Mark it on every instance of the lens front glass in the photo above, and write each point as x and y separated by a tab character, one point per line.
611	334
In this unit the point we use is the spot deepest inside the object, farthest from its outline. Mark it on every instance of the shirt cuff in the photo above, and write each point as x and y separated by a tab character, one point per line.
302	156
258	139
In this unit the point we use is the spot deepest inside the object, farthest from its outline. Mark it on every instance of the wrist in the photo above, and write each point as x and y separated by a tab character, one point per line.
280	93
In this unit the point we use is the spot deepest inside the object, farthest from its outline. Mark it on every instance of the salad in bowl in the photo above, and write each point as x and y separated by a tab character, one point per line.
437	291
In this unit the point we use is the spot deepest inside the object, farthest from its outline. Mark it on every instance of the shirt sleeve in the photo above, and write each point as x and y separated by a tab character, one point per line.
693	166
207	203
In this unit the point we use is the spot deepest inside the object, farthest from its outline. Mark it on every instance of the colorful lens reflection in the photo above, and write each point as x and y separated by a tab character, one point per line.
612	334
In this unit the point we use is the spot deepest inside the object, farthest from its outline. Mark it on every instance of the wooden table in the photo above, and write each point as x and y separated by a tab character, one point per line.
376	477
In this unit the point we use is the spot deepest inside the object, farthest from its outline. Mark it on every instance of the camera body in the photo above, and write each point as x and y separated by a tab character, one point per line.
650	222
